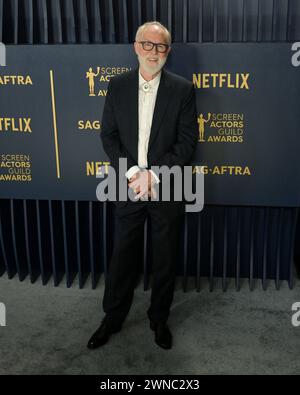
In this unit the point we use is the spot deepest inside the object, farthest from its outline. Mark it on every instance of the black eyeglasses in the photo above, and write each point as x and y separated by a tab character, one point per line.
148	46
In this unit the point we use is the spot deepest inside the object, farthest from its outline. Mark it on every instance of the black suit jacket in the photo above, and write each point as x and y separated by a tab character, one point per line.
174	131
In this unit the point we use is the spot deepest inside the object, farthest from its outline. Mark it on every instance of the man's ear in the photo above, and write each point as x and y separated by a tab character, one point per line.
135	45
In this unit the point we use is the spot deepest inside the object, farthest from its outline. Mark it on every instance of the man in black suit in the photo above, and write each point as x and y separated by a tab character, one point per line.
150	119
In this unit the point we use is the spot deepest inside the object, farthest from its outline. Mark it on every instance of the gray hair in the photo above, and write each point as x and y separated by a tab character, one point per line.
155	23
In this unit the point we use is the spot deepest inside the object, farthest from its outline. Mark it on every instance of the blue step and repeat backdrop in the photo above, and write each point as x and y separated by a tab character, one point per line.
248	97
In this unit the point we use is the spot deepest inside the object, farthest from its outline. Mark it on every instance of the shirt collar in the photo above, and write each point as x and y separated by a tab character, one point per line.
153	83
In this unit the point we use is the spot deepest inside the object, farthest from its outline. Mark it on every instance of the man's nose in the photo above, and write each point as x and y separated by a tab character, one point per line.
154	49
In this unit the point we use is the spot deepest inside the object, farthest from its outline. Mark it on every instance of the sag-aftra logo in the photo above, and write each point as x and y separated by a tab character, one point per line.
2	314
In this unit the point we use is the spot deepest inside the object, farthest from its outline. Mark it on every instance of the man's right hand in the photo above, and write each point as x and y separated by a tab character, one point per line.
146	182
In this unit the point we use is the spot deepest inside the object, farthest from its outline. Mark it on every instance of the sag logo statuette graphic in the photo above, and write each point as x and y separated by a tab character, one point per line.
91	76
201	121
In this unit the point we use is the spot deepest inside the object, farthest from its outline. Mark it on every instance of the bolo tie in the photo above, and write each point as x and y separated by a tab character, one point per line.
146	87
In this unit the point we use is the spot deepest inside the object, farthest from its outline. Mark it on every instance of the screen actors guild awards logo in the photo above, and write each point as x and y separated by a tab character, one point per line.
221	128
102	76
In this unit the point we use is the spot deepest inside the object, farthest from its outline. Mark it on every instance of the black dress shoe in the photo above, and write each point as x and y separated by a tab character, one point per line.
102	334
163	336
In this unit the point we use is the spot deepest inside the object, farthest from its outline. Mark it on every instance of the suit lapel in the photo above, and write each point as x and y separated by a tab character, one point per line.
132	108
163	97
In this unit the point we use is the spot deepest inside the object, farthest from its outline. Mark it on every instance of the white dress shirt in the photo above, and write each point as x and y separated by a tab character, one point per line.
147	99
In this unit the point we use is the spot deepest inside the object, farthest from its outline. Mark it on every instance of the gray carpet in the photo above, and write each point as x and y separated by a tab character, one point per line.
214	332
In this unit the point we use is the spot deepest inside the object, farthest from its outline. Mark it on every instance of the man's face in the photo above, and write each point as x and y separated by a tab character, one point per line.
151	61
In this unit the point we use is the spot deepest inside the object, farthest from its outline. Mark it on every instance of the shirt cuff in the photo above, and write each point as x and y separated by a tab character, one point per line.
155	177
129	173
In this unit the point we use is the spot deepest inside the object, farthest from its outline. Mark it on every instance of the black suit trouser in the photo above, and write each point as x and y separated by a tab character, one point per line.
166	221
